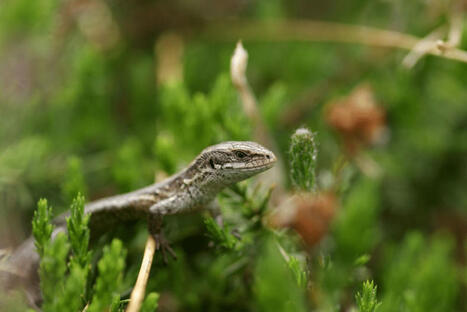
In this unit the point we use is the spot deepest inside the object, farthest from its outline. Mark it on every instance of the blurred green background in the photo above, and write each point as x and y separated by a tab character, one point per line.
101	96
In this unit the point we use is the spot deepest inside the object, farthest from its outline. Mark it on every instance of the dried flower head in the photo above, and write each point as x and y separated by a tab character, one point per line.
359	120
309	214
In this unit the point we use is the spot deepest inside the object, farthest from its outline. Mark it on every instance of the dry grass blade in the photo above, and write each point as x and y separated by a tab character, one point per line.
137	295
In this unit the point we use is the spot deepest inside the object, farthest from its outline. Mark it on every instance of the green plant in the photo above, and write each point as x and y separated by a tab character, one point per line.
64	278
303	153
366	300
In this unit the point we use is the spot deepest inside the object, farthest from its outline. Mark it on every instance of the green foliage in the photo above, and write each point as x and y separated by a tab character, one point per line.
78	232
362	260
205	119
74	179
432	286
108	282
220	235
60	292
251	201
273	103
63	280
52	269
150	303
355	232
299	271
71	297
25	17
303	153
366	300
17	158
274	285
126	171
41	227
356	228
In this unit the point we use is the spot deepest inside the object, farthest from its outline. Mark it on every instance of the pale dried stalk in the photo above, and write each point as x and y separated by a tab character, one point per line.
238	65
455	33
423	47
306	30
137	295
434	40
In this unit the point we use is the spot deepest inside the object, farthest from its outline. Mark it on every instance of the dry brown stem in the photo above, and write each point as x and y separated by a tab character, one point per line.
137	295
307	30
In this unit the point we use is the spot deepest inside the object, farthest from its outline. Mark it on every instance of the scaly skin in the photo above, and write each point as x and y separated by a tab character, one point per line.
192	189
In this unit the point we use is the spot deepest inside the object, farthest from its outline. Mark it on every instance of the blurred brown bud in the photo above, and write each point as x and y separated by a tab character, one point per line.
359	120
308	214
169	55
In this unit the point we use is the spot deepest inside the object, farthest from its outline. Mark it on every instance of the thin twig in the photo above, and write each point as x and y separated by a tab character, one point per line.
455	32
307	30
423	47
137	295
238	65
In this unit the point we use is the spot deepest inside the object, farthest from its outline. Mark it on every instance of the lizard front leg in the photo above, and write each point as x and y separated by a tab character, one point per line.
156	214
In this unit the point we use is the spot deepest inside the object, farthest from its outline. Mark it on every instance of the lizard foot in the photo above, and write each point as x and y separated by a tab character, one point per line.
163	245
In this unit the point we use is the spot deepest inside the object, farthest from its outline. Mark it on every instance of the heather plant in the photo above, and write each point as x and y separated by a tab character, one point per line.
65	265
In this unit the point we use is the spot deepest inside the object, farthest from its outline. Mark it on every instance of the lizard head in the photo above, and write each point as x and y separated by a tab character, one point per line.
235	161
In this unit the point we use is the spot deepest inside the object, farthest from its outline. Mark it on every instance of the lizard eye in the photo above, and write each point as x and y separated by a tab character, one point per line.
240	154
211	163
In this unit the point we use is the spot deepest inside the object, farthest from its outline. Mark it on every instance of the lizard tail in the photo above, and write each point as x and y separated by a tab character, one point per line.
19	270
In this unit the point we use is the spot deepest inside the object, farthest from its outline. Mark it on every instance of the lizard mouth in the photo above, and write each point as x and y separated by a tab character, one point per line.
254	165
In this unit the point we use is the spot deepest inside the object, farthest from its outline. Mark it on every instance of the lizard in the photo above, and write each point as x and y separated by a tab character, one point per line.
192	189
